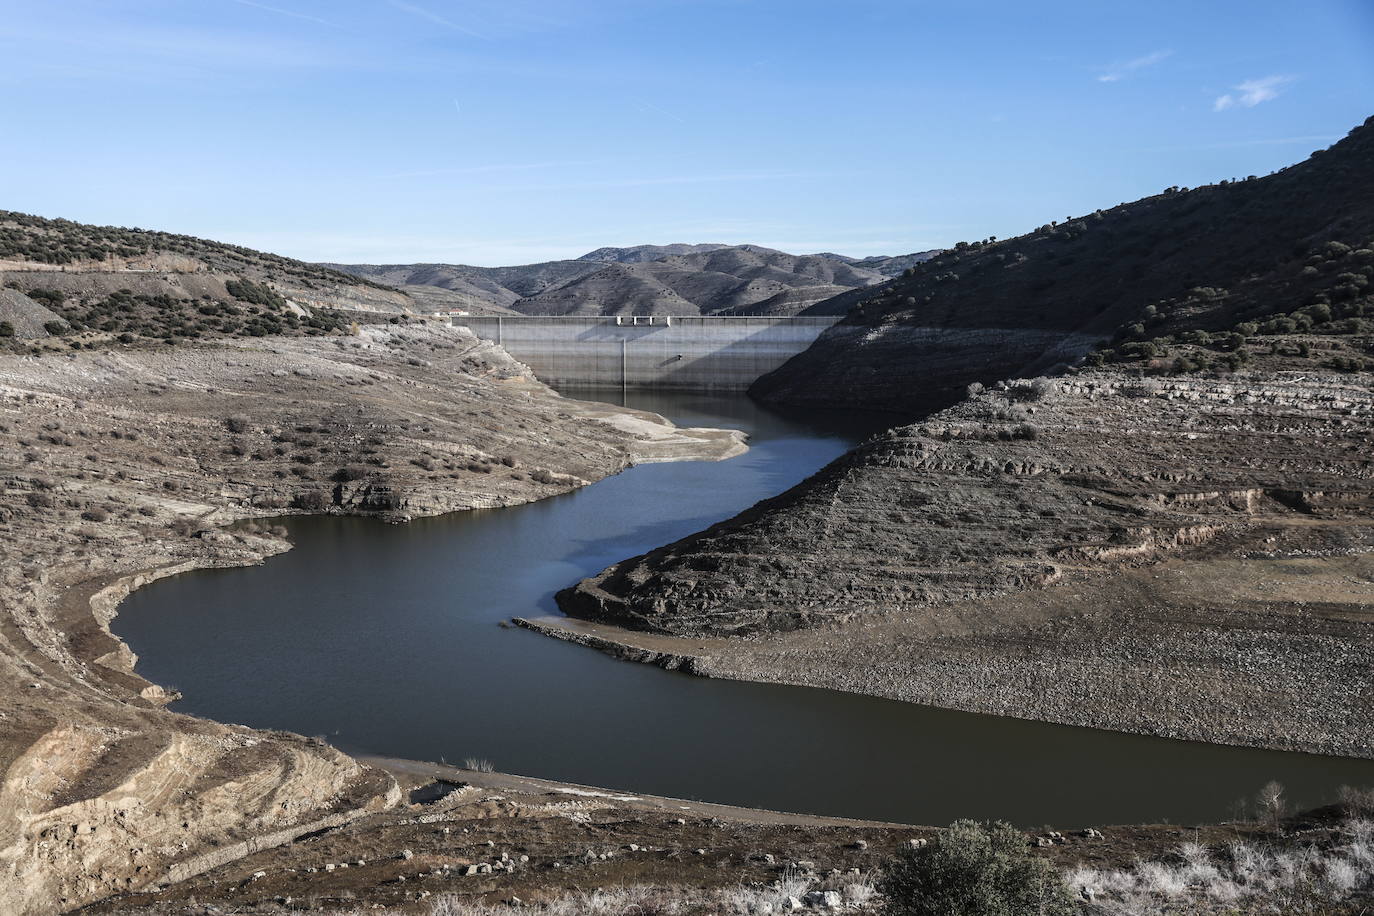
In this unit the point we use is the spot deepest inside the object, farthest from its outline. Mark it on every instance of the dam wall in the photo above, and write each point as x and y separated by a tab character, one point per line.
656	352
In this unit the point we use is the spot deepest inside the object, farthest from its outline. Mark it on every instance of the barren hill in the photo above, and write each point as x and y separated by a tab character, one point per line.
741	279
1283	252
67	284
676	279
1174	537
639	253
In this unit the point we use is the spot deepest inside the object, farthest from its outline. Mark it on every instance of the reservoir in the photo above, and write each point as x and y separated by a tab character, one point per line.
384	639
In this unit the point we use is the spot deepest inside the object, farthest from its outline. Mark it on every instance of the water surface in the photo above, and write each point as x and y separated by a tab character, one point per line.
384	639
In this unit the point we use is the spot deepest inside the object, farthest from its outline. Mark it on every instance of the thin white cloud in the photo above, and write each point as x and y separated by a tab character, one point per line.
1252	92
650	107
422	13
285	12
494	167
1239	144
610	183
1117	72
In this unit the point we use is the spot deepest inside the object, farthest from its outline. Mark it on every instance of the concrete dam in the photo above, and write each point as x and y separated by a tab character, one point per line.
662	352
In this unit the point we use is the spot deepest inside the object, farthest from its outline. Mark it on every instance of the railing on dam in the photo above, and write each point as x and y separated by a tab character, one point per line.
690	353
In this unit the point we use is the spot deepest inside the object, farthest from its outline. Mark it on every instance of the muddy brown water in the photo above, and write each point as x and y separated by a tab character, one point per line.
385	639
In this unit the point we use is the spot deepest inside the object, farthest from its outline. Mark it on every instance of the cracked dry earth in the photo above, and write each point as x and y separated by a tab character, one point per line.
1183	557
127	464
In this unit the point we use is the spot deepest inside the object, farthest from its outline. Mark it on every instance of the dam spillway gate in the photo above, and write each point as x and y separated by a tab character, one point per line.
669	353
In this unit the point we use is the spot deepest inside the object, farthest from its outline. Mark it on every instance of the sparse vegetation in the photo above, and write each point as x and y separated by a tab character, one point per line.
1241	877
312	500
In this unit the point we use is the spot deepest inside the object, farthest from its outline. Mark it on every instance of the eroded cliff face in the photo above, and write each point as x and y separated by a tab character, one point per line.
126	464
1045	488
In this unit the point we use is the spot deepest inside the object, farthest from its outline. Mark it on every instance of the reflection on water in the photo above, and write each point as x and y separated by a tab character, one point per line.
384	638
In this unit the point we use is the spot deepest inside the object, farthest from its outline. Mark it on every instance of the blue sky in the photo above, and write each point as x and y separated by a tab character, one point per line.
509	131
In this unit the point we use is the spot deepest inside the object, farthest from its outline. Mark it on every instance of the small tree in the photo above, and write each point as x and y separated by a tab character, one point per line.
973	869
1272	805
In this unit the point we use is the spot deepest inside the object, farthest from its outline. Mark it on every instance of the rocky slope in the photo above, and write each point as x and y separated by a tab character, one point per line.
639	253
106	283
1287	251
125	464
647	280
1005	556
741	279
480	289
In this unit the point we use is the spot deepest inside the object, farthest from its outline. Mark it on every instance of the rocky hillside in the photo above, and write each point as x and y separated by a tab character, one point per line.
883	264
1183	281
1181	556
69	286
481	290
1175	537
740	280
127	464
636	254
647	280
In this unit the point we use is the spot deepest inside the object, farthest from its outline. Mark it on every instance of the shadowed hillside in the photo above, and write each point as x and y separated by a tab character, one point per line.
1183	280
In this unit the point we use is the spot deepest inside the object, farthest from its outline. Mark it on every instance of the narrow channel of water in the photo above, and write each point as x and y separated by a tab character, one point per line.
384	638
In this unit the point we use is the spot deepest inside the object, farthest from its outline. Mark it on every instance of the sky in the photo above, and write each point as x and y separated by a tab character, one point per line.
512	131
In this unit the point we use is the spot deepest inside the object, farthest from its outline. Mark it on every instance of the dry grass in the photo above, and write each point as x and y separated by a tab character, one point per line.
858	893
1241	877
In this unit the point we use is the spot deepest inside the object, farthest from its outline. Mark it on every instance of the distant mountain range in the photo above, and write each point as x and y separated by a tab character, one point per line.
678	279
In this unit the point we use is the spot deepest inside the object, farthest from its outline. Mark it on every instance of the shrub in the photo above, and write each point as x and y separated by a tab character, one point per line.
350	473
1272	804
974	870
95	514
236	424
312	500
6	329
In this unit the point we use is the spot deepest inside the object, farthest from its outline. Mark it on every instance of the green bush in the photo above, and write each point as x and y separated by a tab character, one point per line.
973	869
6	329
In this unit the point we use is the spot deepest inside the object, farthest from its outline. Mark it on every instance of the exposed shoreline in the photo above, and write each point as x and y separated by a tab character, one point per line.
102	789
1186	558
